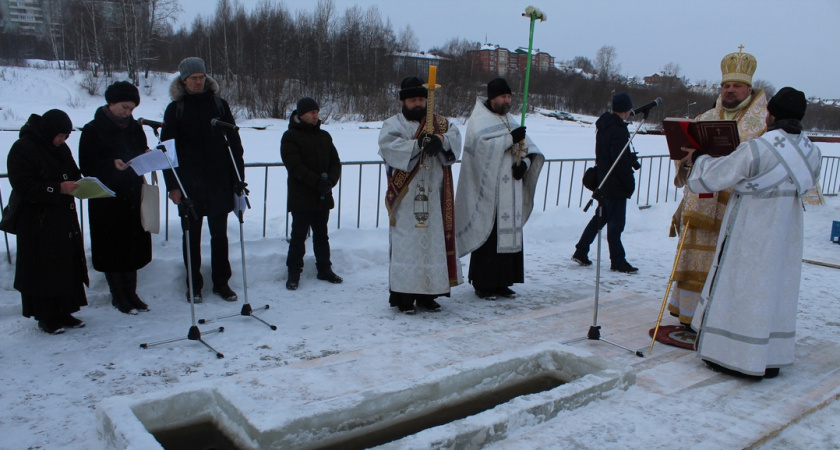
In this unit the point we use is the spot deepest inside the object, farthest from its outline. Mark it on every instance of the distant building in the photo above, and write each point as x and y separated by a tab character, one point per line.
658	79
500	61
416	63
27	17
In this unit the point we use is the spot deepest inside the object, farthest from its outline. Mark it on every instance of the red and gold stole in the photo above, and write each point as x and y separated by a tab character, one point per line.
398	186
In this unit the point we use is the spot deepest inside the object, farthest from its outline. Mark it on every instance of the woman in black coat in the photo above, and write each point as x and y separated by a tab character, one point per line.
118	243
51	270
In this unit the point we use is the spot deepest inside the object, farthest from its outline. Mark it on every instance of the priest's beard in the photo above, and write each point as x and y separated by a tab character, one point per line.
415	114
501	108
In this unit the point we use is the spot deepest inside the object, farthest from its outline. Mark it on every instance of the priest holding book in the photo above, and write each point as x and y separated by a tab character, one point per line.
703	212
749	301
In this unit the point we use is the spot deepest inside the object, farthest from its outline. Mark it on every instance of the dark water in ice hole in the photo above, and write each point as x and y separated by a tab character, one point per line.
205	435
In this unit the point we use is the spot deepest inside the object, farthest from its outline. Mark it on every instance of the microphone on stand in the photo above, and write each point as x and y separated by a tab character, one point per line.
150	123
218	123
644	109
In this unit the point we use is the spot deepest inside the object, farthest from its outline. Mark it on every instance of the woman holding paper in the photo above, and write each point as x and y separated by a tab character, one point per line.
118	243
50	271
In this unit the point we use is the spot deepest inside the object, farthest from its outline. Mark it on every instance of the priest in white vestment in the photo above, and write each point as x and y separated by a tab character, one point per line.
703	212
496	185
749	301
423	258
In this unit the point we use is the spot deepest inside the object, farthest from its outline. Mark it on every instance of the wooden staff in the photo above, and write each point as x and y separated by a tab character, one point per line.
668	289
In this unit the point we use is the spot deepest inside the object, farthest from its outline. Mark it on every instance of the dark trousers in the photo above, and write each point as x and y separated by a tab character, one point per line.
302	222
490	269
218	249
613	214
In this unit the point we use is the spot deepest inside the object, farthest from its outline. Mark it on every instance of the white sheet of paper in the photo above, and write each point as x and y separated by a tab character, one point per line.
155	159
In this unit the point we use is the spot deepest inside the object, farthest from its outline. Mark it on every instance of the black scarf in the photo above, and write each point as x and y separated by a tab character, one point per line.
791	126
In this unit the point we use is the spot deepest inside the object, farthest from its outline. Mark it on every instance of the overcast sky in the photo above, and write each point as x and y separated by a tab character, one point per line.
795	43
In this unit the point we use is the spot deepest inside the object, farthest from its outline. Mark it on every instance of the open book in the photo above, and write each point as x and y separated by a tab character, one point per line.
713	137
91	187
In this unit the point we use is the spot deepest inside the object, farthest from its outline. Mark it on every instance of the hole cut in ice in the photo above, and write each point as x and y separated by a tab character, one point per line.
466	404
448	413
198	436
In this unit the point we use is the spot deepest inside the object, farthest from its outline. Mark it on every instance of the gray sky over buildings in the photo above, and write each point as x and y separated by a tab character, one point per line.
795	43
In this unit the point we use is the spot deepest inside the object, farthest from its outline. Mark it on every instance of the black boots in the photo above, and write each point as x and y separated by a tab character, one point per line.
123	286
131	291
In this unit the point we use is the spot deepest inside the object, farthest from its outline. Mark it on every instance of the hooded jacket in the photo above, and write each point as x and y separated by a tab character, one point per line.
611	137
50	253
205	167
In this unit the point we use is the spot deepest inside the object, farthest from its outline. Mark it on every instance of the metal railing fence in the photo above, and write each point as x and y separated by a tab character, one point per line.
358	195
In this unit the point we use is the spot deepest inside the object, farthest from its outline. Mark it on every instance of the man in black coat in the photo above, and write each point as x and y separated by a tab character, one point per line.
314	168
205	169
610	139
51	271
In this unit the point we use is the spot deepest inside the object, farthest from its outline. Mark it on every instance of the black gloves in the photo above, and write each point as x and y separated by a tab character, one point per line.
519	169
430	143
518	134
241	188
324	186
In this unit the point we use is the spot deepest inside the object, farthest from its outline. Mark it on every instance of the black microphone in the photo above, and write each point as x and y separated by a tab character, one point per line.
150	123
644	109
219	123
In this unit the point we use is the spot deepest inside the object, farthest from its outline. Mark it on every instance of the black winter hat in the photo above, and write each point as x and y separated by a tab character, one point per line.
55	122
412	87
788	103
122	91
306	104
621	102
496	88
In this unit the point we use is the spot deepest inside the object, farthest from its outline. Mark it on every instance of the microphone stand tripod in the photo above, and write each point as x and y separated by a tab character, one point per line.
240	204
595	330
187	211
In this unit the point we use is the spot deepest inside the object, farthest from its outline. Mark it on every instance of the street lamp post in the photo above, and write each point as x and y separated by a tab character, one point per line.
688	109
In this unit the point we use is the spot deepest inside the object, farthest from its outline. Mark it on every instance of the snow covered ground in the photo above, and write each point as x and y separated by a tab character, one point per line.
51	384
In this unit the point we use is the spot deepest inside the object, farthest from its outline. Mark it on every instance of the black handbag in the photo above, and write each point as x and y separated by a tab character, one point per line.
590	178
10	215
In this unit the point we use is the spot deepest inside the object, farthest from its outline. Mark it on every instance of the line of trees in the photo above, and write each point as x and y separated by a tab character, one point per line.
349	60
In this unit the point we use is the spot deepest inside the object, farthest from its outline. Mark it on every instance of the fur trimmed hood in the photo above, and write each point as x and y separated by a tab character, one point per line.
177	90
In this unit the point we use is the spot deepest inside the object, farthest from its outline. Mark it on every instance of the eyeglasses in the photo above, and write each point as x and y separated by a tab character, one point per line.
196	78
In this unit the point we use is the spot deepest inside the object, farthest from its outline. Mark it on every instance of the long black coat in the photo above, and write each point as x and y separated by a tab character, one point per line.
50	250
205	166
610	139
118	242
307	152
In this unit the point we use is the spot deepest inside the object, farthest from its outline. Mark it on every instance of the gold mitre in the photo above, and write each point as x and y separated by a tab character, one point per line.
738	67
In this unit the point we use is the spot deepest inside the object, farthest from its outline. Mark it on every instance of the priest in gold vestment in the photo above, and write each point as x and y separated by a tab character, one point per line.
704	212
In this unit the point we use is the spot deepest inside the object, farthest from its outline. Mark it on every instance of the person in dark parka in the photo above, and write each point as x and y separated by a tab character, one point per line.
610	139
51	270
314	168
118	243
205	168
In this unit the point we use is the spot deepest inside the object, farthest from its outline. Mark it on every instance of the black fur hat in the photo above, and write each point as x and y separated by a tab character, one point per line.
788	103
412	87
122	91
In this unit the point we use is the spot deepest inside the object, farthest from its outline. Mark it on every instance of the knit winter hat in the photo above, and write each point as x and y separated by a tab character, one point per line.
190	66
306	104
621	102
788	103
496	88
412	87
55	122
122	91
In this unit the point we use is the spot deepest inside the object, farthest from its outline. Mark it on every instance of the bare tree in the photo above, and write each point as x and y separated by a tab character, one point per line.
407	41
606	63
767	86
583	63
